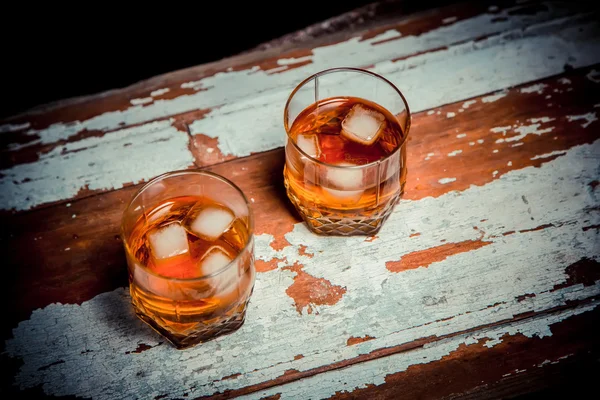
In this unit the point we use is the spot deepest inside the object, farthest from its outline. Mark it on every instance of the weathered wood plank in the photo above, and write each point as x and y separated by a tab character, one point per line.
546	206
475	367
481	51
98	163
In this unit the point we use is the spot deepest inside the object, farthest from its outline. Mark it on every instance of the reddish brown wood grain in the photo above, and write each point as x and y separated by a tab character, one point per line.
423	258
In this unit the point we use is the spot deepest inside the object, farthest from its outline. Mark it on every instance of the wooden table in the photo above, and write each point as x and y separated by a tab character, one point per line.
485	281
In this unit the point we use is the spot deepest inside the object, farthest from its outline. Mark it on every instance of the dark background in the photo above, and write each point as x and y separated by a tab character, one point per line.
51	53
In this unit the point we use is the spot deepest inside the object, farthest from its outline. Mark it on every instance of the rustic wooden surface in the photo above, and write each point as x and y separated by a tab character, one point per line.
484	283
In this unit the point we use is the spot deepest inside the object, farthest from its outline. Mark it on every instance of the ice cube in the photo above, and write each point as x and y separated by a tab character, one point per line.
309	144
345	178
344	184
214	260
211	222
168	241
363	125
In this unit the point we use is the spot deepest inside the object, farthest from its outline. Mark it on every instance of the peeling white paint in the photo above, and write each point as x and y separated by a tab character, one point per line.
143	100
542	119
536	88
450	115
509	164
494	173
159	92
92	339
292	61
357	376
552	153
543	363
594	76
449	20
479	141
501	129
471	143
454	153
430	112
461	135
429	155
444	181
525	130
95	163
14	127
494	97
589	118
517	144
564	81
468	103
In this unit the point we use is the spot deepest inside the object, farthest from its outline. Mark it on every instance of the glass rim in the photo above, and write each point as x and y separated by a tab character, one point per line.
170	174
357	70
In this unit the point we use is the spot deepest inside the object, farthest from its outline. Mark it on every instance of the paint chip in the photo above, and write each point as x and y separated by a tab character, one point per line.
429	155
537	88
494	97
551	154
494	173
159	92
450	115
501	129
144	100
542	119
67	248
564	81
468	103
589	118
444	181
461	135
479	141
68	205
454	153
14	127
495	151
430	112
73	216
449	20
509	163
517	144
593	76
471	143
